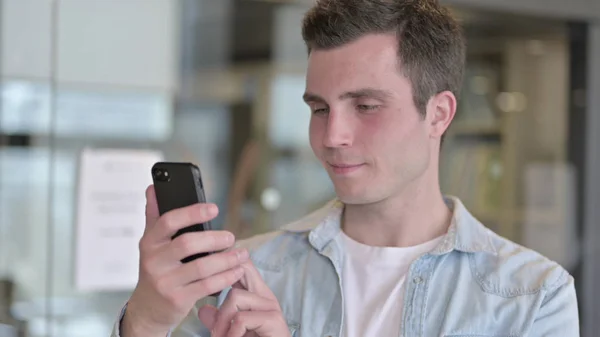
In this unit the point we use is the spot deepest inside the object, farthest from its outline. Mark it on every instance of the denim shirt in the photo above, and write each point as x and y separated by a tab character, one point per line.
474	283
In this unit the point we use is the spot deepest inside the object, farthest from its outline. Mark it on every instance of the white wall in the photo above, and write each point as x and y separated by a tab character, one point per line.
25	38
109	43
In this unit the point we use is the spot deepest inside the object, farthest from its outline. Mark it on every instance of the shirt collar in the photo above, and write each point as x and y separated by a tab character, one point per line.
465	233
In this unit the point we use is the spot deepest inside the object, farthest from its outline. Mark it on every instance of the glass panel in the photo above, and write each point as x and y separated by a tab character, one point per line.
505	155
297	176
85	113
25	200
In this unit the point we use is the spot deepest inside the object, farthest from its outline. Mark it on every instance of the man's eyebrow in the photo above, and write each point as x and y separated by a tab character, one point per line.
367	93
309	97
360	93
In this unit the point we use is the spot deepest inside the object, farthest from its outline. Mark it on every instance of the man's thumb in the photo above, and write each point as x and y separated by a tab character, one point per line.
208	316
152	214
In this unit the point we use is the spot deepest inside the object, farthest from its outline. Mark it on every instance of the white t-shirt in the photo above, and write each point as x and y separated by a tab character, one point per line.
373	286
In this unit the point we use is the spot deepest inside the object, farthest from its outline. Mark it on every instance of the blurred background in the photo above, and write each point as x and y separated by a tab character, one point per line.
94	91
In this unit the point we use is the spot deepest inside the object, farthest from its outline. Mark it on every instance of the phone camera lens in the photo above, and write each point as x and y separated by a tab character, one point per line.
161	175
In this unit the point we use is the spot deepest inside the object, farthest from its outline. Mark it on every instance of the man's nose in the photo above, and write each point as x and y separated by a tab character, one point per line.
339	131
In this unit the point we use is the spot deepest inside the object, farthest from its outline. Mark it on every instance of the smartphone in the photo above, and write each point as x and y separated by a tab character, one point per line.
179	185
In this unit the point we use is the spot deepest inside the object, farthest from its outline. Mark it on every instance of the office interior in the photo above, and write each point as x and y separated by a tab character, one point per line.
219	84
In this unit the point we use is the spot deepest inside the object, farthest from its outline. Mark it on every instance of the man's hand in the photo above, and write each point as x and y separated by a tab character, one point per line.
167	289
250	310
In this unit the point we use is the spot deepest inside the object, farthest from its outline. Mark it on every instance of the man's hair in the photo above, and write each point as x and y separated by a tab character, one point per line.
431	42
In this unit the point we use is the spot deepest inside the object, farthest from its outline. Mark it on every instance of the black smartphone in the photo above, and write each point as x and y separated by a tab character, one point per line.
179	185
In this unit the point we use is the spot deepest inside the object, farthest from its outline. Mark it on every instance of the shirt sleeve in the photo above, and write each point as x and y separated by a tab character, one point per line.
190	327
558	315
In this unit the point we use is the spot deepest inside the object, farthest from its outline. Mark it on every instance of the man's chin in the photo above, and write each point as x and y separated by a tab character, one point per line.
357	195
349	196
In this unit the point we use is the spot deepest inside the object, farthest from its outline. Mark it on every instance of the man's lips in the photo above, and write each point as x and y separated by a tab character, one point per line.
344	168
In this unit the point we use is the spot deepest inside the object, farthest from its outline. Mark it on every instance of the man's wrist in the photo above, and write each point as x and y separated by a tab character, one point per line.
131	327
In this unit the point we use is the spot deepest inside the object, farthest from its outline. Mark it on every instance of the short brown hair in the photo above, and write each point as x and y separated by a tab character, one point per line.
431	43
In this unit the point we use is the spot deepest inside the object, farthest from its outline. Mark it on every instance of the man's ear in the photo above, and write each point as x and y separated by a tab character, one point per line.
440	113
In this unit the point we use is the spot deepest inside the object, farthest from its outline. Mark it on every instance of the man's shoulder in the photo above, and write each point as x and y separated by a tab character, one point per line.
516	270
273	248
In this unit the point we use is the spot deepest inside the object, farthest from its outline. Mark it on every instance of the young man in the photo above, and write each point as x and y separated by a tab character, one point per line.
391	256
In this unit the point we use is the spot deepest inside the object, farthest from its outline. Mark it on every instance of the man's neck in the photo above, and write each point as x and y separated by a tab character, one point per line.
417	216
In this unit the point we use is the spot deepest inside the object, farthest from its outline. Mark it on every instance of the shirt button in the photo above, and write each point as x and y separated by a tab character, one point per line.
417	279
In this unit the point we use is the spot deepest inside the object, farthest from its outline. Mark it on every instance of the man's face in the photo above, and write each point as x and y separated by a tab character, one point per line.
365	128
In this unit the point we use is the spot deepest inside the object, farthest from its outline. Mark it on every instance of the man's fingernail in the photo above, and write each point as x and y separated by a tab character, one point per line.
229	238
211	210
242	255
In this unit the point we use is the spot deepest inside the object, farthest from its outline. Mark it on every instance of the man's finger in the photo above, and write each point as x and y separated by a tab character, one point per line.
202	242
253	282
208	316
240	300
211	285
170	222
204	267
262	323
152	214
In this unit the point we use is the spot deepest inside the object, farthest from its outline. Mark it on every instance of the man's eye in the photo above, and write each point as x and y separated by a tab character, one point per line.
320	111
363	107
